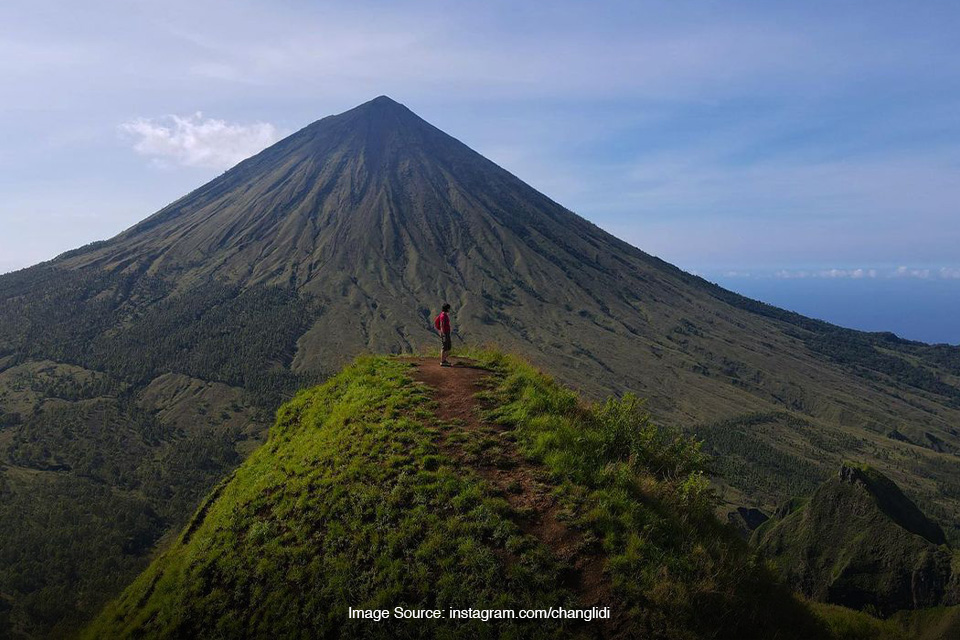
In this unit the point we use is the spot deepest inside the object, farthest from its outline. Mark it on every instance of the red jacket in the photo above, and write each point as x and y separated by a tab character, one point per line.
442	322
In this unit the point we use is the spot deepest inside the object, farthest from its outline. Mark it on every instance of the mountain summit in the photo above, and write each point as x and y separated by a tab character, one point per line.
381	216
373	189
137	371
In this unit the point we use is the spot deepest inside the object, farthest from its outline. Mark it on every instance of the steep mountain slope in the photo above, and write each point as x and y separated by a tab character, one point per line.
365	497
859	542
137	371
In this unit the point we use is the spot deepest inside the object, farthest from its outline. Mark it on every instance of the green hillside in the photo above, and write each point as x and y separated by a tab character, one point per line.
364	496
937	623
858	541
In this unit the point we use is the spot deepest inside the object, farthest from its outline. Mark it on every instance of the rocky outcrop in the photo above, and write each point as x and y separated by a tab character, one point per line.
861	543
891	500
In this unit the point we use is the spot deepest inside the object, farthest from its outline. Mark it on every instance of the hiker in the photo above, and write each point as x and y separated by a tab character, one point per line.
442	323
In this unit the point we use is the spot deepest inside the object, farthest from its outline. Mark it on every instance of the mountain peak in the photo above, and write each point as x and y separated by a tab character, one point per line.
860	542
381	101
378	108
891	500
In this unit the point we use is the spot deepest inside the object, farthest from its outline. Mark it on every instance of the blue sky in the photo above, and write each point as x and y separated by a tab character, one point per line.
749	137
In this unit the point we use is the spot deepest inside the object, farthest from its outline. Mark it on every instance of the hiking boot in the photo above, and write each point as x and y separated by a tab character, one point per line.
445	364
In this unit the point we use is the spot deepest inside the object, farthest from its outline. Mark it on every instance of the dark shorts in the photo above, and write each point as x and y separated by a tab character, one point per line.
445	343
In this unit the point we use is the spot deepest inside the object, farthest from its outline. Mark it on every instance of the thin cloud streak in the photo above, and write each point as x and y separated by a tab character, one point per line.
856	273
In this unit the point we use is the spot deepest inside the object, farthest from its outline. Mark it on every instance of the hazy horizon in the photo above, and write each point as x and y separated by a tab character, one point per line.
914	307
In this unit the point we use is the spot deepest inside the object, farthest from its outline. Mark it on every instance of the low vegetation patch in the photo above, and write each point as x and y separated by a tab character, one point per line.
348	504
642	492
352	503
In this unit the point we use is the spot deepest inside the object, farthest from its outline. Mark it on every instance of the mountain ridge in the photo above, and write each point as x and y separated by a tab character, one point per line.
891	501
368	496
859	542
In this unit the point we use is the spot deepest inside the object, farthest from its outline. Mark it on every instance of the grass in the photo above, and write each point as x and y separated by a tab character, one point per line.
351	503
859	542
934	623
641	491
847	624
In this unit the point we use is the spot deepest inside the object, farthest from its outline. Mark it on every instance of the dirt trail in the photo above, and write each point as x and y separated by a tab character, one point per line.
515	477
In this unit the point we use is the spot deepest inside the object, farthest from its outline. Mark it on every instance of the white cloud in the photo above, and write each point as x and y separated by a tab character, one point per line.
195	141
901	272
859	273
789	274
855	274
905	272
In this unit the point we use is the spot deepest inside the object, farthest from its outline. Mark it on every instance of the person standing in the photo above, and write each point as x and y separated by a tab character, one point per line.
442	323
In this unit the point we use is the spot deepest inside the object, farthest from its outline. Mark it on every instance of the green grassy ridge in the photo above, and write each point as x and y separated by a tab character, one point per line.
858	541
642	491
936	623
351	503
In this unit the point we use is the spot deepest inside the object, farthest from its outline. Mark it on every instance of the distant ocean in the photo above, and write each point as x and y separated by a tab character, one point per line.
917	309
